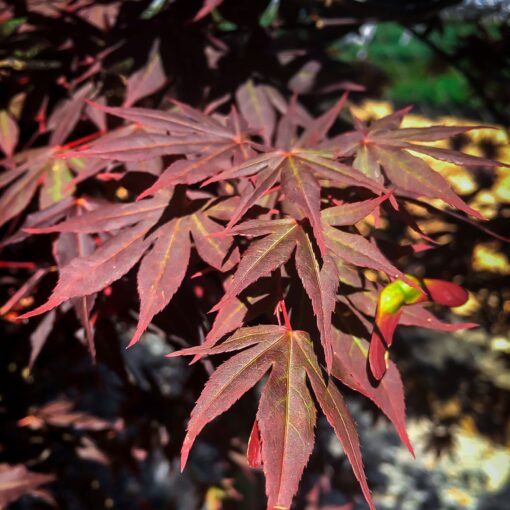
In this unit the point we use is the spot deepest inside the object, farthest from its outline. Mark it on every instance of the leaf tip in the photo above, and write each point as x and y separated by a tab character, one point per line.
46	307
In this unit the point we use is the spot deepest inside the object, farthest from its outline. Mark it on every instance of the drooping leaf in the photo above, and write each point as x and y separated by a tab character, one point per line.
350	367
286	419
413	175
336	412
356	250
86	275
69	246
39	336
161	271
254	450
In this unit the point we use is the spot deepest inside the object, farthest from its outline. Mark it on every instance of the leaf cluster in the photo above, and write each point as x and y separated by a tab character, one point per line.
253	204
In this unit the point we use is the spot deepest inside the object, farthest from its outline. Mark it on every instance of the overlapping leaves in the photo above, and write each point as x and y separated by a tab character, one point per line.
301	194
164	252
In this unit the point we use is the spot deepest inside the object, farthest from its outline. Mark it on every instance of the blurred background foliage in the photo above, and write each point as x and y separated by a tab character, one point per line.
451	59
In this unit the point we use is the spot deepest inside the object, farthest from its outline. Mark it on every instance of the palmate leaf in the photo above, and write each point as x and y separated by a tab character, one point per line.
299	187
162	268
320	280
286	415
286	418
384	143
297	171
208	145
304	194
297	168
86	275
37	168
333	406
